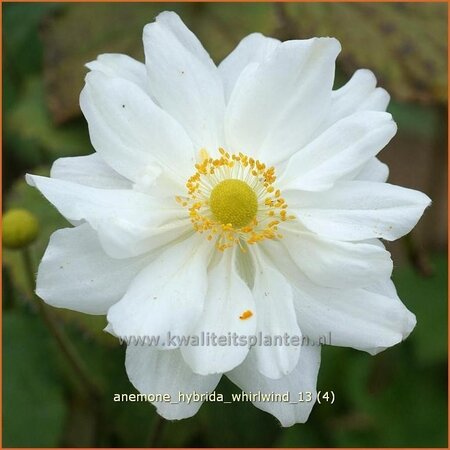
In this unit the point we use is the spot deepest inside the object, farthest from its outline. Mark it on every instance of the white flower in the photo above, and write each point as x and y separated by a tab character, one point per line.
243	198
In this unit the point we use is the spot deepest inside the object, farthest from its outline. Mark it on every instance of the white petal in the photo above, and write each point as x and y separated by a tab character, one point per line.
228	297
373	170
337	264
122	239
128	223
384	287
358	94
275	316
276	105
357	318
303	379
121	66
167	296
377	100
253	48
358	210
370	319
130	132
184	80
88	170
153	371
339	151
75	272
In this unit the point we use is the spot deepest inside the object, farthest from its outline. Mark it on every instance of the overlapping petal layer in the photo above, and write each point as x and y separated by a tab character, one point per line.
159	372
135	256
302	379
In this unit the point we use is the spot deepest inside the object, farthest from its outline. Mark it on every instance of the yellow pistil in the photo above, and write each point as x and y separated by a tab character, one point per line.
232	199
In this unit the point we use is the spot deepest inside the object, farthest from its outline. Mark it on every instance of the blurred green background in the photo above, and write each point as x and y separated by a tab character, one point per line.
398	398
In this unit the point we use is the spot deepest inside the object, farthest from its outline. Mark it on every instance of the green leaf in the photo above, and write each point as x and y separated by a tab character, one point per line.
33	405
21	27
30	128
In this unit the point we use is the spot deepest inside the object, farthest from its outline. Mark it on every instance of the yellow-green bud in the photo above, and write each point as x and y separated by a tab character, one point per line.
20	228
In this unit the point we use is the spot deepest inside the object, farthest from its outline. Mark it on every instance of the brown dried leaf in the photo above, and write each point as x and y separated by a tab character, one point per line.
405	44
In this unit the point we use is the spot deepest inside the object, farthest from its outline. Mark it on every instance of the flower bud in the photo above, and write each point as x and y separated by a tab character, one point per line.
20	228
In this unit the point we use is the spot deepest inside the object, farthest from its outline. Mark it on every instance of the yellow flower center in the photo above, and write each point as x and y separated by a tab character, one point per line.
233	201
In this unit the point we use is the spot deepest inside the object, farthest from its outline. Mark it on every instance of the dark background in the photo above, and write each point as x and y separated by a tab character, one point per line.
397	398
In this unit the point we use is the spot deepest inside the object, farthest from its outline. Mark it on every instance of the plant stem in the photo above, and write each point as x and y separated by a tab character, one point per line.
156	433
55	329
417	256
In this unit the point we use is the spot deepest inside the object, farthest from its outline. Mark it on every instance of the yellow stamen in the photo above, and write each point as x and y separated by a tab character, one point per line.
246	315
232	198
203	154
